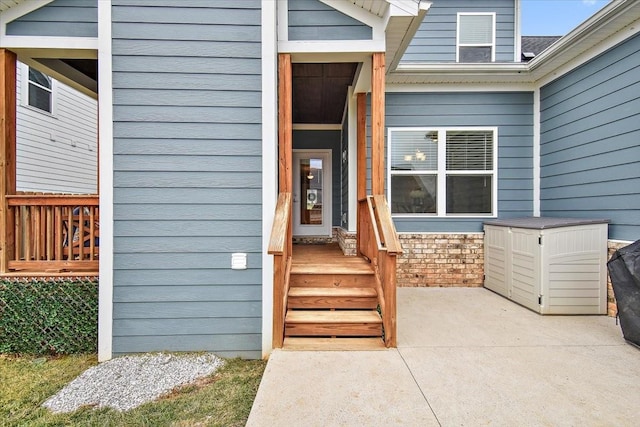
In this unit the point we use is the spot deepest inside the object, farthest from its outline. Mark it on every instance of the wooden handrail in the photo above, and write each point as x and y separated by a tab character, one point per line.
280	247
54	233
53	200
277	241
380	244
386	229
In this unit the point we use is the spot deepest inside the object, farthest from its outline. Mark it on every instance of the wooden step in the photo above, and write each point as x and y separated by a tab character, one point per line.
354	268
334	297
333	344
333	323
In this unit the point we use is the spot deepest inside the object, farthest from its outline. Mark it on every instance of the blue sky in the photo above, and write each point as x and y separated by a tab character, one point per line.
556	17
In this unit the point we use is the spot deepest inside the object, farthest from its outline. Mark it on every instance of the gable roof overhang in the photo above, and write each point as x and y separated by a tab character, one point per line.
613	24
393	23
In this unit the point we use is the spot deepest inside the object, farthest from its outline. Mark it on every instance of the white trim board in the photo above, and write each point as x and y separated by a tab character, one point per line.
459	87
353	160
536	152
331	47
105	131
269	160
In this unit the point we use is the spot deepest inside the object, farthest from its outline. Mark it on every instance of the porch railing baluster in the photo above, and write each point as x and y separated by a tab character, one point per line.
54	233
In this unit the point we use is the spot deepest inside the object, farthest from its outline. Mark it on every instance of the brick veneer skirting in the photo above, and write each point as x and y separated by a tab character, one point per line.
439	260
448	260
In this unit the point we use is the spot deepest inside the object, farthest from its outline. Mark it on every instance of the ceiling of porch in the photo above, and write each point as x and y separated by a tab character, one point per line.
320	91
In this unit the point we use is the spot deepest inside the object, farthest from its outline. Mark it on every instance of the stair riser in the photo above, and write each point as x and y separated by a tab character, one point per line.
333	280
332	302
334	329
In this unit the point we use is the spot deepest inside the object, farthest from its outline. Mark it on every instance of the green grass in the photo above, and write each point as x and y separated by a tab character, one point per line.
223	399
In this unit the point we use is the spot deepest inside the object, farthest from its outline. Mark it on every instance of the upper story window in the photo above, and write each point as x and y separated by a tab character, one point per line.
476	37
443	172
40	91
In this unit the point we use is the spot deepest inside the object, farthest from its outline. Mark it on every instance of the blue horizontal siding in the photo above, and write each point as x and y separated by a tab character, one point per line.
435	40
314	20
187	176
60	18
511	113
590	156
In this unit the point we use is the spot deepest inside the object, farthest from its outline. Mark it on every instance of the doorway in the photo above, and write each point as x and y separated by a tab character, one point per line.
312	203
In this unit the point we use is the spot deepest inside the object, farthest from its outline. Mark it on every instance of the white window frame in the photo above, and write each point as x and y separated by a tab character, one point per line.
492	45
26	85
441	173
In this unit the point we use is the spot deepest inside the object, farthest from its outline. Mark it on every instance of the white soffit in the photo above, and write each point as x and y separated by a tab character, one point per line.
7	4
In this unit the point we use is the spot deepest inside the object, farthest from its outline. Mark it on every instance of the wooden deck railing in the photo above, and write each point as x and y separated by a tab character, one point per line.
280	246
54	233
379	242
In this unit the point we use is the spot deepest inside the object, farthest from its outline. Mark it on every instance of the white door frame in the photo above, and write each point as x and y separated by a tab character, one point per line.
326	229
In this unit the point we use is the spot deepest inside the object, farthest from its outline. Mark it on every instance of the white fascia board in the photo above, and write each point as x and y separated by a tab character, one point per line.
409	34
40	42
458	68
105	132
334	46
407	7
462	73
620	10
544	77
459	87
376	23
269	66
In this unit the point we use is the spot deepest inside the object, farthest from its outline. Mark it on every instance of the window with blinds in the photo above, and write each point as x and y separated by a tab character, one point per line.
40	91
476	37
442	172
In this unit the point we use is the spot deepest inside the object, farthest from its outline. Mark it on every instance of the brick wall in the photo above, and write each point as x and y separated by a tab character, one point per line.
346	240
441	260
447	260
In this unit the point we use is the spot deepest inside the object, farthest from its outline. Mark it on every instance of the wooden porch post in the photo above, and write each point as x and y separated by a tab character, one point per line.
7	153
285	122
377	124
285	132
285	183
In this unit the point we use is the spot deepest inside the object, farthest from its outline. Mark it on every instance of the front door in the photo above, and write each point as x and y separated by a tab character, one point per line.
312	192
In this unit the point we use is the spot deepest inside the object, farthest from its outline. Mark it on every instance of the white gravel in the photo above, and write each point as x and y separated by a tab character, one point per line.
126	382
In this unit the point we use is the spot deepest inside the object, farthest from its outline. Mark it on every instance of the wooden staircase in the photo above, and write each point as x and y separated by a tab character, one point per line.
332	302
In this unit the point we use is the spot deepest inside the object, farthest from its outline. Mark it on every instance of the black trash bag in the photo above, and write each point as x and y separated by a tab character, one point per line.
624	271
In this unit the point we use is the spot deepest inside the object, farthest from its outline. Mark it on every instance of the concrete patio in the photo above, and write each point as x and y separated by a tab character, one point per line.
465	357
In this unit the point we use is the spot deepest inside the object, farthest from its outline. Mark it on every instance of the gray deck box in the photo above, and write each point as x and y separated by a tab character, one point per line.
549	265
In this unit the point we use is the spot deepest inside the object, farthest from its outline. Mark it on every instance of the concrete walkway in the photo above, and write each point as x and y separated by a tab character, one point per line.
465	357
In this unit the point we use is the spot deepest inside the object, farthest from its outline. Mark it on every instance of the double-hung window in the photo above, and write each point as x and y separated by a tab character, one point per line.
476	37
442	172
40	91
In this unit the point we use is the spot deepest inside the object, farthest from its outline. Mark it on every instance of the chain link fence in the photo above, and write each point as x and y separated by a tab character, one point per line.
49	316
